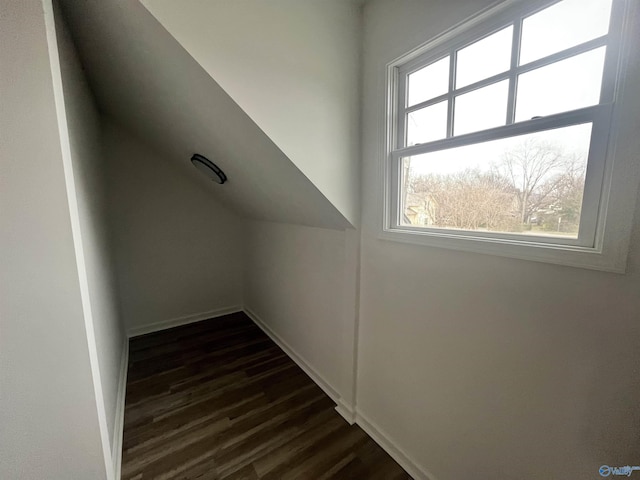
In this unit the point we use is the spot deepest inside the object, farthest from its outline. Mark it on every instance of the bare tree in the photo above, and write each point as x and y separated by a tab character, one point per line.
565	200
533	180
536	170
470	199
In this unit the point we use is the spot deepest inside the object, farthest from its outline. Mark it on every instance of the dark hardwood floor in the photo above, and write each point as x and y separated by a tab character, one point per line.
219	400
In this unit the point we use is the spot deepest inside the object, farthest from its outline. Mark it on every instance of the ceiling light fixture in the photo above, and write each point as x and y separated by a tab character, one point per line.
209	168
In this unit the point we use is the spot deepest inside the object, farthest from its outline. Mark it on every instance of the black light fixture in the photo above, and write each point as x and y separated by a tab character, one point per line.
209	168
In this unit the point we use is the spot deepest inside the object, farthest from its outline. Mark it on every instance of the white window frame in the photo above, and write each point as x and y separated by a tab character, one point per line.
599	246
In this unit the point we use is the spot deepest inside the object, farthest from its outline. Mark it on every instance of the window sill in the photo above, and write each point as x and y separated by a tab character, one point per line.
572	256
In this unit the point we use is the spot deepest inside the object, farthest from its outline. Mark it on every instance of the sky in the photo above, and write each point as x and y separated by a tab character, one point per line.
562	86
573	139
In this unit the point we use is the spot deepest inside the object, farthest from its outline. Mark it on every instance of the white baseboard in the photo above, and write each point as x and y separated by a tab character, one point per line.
347	412
381	438
308	369
176	322
118	427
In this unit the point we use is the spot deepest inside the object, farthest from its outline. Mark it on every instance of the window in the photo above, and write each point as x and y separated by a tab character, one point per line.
498	133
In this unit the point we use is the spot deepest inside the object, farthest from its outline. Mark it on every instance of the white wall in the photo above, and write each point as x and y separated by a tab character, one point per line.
293	66
89	172
300	282
479	366
474	366
178	252
48	416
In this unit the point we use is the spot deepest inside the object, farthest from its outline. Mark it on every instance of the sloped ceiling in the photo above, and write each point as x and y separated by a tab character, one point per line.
143	78
294	67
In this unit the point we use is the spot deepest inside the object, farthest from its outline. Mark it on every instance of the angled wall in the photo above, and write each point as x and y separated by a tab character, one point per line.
143	78
294	68
89	175
49	408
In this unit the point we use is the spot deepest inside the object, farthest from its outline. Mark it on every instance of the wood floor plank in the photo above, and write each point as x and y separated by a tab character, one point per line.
218	400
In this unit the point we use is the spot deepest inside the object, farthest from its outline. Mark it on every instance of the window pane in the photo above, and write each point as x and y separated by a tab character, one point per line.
531	185
427	124
567	85
487	57
428	82
481	109
563	25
